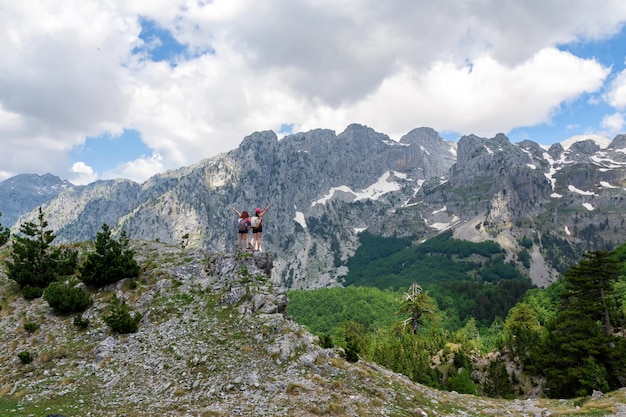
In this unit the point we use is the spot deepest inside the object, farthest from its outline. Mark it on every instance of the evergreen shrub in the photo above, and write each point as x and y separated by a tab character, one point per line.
80	322
31	327
26	357
119	317
326	341
65	298
30	293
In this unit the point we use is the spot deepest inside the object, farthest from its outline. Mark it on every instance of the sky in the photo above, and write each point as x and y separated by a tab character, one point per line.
103	89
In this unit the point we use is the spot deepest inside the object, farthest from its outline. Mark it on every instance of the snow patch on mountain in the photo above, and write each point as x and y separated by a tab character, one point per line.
373	192
579	191
444	226
300	219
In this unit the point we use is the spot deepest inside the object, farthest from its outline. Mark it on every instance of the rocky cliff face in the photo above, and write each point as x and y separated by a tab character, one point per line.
326	188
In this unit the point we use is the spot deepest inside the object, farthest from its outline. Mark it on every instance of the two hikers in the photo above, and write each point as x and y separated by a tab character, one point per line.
246	223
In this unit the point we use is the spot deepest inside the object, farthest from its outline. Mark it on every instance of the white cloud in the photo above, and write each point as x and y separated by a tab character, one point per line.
613	123
616	95
489	99
84	174
68	71
137	170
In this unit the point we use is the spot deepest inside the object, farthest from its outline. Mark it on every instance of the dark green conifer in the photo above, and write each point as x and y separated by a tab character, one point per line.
111	261
581	353
34	262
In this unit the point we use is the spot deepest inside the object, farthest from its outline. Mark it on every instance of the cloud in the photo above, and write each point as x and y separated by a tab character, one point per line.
84	174
613	123
137	170
73	69
485	99
616	96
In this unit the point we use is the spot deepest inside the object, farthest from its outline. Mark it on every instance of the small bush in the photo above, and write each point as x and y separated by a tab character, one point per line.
81	322
31	327
30	293
461	383
131	284
352	352
65	298
119	317
326	341
26	357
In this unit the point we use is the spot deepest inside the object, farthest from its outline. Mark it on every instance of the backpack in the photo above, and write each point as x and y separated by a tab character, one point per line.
256	222
242	226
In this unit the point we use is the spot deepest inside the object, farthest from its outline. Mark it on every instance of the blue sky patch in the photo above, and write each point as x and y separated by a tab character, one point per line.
104	152
286	129
159	43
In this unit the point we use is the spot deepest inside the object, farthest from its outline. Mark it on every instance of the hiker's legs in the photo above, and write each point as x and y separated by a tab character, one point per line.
239	242
247	240
258	241
255	240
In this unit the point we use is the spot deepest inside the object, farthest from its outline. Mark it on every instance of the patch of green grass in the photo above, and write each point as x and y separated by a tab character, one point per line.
70	405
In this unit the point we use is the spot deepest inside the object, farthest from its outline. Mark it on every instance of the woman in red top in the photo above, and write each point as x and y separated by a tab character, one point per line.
257	229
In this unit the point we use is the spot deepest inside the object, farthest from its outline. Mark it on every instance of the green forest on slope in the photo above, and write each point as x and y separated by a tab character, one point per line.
456	303
468	280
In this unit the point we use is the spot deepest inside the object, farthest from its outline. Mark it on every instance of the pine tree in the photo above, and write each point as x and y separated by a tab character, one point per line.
111	261
581	353
589	286
419	305
34	262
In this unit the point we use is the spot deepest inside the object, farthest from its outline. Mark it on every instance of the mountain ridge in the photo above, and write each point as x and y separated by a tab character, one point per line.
327	187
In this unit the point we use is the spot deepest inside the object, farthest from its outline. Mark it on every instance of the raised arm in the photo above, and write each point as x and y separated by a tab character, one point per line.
265	210
237	211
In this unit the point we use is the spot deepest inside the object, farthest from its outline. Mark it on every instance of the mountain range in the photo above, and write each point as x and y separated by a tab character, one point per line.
326	188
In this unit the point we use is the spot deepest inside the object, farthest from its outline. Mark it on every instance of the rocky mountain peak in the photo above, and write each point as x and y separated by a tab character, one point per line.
585	147
25	192
619	142
258	139
556	150
360	133
421	136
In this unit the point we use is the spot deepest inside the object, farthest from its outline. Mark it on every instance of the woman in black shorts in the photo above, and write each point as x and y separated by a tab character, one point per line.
257	227
243	225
